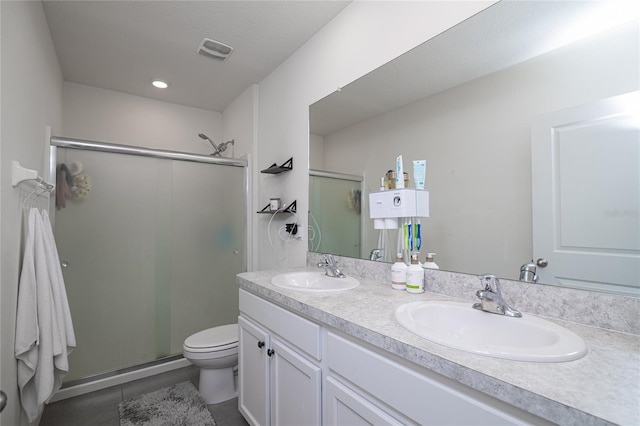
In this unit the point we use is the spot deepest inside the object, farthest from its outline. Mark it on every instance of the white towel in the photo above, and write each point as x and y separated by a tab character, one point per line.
27	332
65	339
44	332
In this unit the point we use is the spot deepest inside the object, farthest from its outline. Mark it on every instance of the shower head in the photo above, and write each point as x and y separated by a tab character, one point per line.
218	148
203	136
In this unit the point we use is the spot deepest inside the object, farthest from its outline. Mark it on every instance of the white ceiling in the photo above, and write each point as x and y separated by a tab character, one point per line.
123	45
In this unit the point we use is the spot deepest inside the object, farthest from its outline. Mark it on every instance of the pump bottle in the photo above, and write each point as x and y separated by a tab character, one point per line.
429	263
399	273
415	276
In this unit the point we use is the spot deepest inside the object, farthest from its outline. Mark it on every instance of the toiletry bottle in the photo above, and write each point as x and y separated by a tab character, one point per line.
429	263
415	276
399	274
390	180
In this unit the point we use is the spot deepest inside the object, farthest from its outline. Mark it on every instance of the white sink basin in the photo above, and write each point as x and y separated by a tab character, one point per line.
459	326
313	282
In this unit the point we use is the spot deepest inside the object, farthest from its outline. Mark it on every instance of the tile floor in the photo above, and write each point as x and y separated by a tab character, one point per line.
100	408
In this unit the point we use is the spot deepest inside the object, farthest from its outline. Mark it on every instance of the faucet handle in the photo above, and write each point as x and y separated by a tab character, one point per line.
486	280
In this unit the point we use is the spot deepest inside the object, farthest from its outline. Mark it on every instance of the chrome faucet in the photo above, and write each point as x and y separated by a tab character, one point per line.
491	300
528	273
528	270
376	254
331	267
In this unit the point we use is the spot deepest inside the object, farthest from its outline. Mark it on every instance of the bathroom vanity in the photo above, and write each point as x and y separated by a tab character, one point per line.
341	358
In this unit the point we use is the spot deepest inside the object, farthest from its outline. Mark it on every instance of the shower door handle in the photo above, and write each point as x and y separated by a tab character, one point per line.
3	400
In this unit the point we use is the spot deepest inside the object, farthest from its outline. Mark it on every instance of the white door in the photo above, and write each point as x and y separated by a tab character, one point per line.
586	195
295	388
344	407
253	373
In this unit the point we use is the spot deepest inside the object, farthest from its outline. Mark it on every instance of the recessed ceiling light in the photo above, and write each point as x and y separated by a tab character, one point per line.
160	84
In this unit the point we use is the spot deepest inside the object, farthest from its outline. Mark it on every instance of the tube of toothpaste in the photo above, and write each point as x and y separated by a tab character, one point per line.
399	173
419	173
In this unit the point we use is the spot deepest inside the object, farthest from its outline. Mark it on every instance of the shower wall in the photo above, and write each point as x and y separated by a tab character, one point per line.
152	254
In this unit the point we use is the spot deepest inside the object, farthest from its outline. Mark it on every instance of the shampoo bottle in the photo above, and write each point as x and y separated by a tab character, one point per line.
429	263
415	276
399	274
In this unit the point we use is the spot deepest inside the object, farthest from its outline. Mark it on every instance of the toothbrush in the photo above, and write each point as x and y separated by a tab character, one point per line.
405	228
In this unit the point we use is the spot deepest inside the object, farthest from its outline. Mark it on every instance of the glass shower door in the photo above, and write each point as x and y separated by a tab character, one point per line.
335	216
151	252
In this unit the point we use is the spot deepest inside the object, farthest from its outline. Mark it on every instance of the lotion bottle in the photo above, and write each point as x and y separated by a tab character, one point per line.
415	276
399	273
429	263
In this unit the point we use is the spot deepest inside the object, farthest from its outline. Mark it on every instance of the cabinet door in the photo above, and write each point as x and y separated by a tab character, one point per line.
253	373
345	407
295	388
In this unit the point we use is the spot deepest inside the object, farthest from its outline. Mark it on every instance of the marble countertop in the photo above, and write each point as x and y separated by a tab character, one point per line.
601	388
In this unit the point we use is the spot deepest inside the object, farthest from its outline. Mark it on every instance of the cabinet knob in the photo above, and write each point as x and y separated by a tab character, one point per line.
3	400
270	352
260	344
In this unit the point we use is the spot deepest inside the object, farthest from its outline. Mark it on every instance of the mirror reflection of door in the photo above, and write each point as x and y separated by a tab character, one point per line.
586	195
335	224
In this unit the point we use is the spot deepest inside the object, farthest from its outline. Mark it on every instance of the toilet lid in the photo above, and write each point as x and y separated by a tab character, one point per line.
213	337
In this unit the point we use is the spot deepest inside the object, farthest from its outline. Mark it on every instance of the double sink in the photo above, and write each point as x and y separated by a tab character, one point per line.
458	325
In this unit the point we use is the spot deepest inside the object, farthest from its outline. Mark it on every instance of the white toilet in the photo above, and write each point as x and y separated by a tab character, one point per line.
215	351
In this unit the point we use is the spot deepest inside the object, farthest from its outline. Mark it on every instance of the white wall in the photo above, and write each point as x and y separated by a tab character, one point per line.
108	116
477	142
240	123
31	89
316	152
362	37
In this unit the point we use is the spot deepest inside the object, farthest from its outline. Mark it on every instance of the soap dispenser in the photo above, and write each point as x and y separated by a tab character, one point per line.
415	276
399	273
429	263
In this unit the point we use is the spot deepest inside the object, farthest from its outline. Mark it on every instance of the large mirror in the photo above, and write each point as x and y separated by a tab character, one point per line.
466	102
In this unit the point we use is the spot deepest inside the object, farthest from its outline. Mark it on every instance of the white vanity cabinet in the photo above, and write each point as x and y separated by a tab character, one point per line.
363	386
294	372
279	379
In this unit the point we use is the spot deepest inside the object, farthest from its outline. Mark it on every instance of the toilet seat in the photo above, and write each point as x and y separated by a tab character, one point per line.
214	339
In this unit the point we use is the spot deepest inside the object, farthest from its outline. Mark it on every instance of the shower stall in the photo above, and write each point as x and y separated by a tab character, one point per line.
150	242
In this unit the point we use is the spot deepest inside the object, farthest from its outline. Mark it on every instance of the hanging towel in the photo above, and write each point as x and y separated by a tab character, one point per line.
44	332
64	337
27	332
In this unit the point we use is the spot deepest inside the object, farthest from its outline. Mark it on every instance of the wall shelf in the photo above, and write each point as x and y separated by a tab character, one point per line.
291	208
274	169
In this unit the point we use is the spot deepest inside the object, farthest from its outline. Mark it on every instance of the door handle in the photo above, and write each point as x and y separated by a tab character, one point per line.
3	400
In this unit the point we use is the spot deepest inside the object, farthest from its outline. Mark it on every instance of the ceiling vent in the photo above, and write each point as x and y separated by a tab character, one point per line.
214	49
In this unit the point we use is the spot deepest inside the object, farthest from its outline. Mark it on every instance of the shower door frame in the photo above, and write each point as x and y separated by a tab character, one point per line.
81	144
102	380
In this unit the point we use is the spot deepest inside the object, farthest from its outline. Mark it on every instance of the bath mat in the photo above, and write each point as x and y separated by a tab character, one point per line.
179	404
